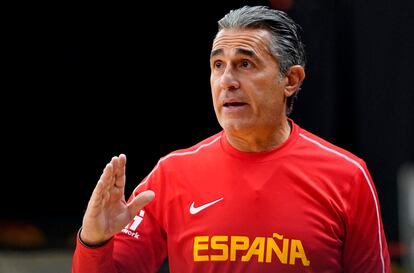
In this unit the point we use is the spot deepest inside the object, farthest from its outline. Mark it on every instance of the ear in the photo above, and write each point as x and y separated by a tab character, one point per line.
294	76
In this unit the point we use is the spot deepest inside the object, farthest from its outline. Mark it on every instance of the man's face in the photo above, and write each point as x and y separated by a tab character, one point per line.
247	90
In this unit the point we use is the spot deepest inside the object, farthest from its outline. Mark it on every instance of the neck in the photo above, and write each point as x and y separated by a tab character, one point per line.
260	140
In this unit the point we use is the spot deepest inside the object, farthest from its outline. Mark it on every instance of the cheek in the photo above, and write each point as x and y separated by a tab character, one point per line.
215	93
269	101
215	84
212	83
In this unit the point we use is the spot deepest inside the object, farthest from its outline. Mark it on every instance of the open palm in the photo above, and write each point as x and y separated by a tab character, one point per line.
108	212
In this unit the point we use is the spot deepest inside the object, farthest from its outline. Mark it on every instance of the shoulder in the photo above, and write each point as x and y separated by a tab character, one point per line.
324	146
322	158
319	150
198	149
178	161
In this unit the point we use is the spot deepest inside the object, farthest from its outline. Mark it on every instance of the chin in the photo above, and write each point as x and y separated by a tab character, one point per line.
237	127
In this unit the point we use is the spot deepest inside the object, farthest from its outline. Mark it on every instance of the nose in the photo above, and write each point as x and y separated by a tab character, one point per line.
228	80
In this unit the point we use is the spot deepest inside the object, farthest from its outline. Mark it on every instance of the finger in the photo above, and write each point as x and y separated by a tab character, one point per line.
100	192
119	171
97	199
107	175
103	183
97	195
104	179
140	201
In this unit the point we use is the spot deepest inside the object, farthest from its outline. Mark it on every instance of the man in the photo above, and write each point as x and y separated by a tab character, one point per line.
263	195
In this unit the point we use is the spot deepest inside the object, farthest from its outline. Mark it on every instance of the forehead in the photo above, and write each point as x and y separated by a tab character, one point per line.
256	40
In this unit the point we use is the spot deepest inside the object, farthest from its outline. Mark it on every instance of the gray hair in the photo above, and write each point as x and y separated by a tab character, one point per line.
286	45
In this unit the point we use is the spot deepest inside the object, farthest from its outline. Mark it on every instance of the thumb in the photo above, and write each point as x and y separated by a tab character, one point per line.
140	201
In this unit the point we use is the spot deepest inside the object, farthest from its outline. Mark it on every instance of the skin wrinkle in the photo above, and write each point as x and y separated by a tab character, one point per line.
260	124
235	38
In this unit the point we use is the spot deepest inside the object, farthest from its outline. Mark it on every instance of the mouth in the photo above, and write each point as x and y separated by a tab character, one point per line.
234	104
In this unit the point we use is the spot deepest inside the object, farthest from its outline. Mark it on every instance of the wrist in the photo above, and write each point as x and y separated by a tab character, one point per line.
91	245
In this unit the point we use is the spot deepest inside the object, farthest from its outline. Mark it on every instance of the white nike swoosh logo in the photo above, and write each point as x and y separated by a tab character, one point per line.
195	210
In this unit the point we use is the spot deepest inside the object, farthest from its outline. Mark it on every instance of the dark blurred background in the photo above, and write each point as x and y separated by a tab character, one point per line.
84	82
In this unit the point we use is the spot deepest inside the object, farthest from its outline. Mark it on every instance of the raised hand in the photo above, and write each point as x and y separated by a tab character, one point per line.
107	212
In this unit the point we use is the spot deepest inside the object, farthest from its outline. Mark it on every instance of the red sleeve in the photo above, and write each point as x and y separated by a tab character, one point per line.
86	259
141	251
365	248
139	248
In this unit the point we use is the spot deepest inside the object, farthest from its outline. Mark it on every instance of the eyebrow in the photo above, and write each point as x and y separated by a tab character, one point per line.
239	51
216	52
248	52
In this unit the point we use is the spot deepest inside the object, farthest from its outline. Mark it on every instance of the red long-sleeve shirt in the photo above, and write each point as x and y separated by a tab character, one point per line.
306	206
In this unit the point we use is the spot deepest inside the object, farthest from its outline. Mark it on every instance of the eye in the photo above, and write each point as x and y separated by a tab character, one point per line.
245	64
218	64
